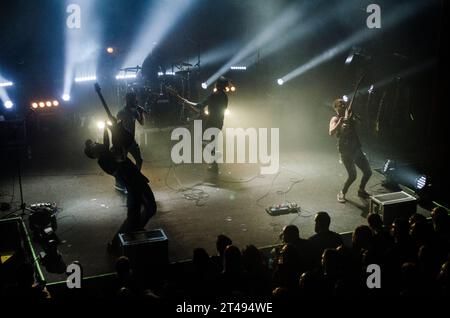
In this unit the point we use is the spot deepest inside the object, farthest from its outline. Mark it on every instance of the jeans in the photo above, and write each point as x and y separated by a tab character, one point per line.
140	208
350	162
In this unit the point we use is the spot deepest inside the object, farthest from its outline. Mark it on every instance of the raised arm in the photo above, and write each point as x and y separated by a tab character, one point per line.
335	123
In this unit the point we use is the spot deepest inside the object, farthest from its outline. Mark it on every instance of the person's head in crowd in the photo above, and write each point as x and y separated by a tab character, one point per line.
252	259
421	233
400	229
322	222
409	276
362	238
441	220
221	243
290	234
443	278
232	260
416	218
375	222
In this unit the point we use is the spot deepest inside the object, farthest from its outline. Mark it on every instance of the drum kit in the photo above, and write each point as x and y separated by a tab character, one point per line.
151	89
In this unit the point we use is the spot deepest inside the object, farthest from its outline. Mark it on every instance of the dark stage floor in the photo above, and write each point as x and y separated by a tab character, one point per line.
194	204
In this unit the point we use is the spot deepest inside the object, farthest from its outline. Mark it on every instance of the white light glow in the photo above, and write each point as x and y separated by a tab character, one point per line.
9	104
125	76
66	97
280	81
85	79
6	84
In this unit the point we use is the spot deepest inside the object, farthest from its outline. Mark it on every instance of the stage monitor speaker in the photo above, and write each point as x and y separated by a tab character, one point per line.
145	248
393	205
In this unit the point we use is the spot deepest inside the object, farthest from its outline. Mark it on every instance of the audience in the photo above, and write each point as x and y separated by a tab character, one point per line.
413	256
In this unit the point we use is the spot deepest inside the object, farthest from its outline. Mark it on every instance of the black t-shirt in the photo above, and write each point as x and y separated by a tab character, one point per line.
348	140
126	170
217	104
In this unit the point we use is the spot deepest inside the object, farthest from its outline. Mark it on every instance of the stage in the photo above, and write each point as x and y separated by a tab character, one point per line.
194	203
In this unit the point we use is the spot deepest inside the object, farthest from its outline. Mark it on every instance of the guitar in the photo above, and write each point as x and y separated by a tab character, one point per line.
348	111
183	100
120	136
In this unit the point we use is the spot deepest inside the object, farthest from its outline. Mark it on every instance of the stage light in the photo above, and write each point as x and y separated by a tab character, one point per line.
41	104
238	68
101	125
82	48
233	88
170	73
110	50
214	89
286	20
370	90
345	98
66	97
6	84
227	89
227	112
204	86
34	105
349	59
85	79
206	112
8	104
48	103
109	123
125	76
395	16
280	81
159	19
55	103
160	73
421	181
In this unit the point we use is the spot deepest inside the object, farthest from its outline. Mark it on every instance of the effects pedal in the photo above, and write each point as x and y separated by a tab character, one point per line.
284	208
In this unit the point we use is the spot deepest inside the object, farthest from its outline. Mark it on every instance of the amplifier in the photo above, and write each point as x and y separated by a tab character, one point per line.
393	205
145	248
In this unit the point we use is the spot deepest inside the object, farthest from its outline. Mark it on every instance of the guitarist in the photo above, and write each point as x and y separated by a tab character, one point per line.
343	126
139	193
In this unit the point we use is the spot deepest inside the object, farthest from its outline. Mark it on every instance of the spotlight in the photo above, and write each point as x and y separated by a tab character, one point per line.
206	112
238	68
280	81
421	182
233	88
349	59
214	89
204	85
55	103
160	73
48	103
110	50
227	112
85	78
101	125
6	84
345	98
227	89
125	76
41	104
66	97
9	104
388	166
34	105
170	73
